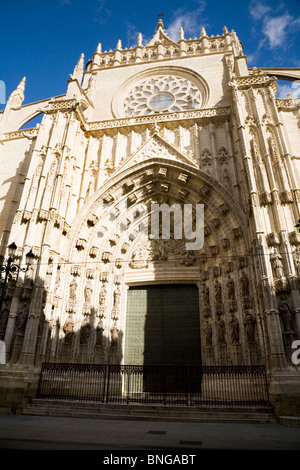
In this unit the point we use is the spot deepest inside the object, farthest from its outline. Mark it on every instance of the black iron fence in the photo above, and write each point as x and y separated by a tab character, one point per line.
191	386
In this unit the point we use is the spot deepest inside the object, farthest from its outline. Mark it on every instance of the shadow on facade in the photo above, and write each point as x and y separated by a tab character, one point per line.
11	202
32	339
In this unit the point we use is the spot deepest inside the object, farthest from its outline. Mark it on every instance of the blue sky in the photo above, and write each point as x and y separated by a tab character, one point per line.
43	40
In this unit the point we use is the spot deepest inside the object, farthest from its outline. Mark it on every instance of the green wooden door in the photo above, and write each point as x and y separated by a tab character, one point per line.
162	326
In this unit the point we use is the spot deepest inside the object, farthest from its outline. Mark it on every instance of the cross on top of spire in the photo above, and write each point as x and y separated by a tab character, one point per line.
160	21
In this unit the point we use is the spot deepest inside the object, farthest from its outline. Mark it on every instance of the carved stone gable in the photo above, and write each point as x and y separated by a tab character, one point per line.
156	147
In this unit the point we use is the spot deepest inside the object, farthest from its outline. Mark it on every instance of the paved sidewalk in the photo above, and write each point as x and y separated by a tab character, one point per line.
58	433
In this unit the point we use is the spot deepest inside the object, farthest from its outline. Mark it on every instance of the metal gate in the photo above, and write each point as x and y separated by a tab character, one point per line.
207	385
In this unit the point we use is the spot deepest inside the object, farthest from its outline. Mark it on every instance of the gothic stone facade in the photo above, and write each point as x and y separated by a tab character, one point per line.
166	122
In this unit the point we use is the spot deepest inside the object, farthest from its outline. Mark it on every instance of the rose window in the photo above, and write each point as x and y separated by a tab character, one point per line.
160	94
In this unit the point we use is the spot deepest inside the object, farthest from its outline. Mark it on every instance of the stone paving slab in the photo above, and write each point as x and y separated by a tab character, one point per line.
55	433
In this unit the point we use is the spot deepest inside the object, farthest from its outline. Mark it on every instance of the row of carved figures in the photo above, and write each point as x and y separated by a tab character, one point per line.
217	289
234	330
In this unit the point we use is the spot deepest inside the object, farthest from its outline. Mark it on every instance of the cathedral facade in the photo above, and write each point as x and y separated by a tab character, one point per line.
170	123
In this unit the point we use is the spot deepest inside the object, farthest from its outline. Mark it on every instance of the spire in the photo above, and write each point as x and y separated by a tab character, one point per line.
181	33
17	96
119	44
140	39
99	48
78	71
203	32
225	30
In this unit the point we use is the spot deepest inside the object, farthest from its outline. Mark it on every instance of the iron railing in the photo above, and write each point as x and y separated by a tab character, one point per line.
191	386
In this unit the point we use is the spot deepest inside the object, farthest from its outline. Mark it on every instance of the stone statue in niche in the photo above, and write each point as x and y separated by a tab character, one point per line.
72	290
29	276
297	260
68	329
245	285
277	263
117	297
22	317
57	279
226	176
102	295
230	289
85	332
286	314
218	292
99	333
249	327
221	331
3	321
206	295
208	335
88	292
114	335
234	329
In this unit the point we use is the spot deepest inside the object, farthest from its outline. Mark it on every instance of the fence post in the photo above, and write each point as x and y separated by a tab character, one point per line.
107	384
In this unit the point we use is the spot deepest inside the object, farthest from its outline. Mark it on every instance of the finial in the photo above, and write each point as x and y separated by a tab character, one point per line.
140	39
99	48
181	33
21	85
119	45
78	70
17	96
203	32
160	21
225	30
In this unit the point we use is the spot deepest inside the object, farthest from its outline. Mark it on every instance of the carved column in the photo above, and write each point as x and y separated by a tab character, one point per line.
30	338
277	351
214	150
12	321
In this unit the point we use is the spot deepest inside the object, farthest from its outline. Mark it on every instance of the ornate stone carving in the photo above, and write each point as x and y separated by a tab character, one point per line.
92	220
277	264
245	286
220	330
99	333
22	317
206	295
237	232
114	335
72	290
234	329
106	256
218	292
273	239
76	270
249	323
286	314
102	294
68	329
90	273
208	335
85	331
80	244
230	289
296	256
294	238
88	292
